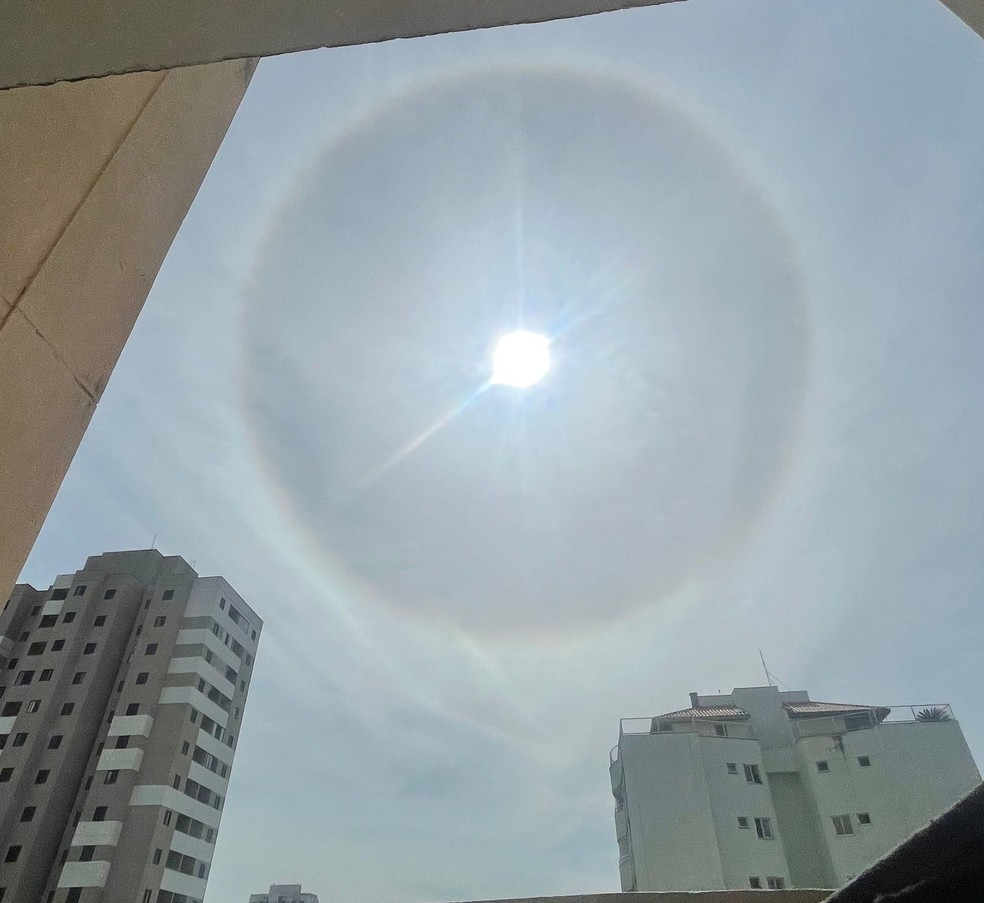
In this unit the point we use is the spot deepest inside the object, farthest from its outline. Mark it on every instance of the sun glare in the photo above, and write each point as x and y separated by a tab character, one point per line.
520	359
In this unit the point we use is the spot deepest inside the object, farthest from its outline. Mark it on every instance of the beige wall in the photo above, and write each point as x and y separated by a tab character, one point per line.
95	179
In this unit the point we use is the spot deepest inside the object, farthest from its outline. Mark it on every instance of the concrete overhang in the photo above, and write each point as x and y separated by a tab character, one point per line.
45	41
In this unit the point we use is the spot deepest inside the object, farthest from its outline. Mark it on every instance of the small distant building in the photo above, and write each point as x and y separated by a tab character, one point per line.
284	893
767	789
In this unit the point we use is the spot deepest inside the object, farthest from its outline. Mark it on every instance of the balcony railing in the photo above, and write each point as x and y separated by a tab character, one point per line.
741	730
928	713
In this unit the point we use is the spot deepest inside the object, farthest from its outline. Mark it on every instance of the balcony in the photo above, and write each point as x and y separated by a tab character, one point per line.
704	727
863	720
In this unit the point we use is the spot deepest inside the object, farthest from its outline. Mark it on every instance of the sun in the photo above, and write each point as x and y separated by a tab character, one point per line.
520	359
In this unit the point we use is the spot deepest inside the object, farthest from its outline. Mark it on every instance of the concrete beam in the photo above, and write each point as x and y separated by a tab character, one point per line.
95	179
700	896
44	41
971	11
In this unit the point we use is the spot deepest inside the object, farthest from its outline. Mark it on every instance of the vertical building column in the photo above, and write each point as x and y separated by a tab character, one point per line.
95	179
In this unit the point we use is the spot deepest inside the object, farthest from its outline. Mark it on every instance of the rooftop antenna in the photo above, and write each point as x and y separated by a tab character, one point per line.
153	542
768	677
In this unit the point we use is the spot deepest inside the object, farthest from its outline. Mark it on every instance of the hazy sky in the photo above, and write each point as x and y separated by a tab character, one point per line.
754	231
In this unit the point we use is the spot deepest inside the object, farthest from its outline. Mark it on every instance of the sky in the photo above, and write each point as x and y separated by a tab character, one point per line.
752	232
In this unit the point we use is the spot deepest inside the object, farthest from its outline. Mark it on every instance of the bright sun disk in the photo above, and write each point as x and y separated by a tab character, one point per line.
520	359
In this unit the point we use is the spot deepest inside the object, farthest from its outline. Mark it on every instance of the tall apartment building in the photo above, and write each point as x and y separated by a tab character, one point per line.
762	788
283	893
122	689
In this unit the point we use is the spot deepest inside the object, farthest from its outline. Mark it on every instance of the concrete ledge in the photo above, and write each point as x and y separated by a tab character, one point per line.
704	896
66	41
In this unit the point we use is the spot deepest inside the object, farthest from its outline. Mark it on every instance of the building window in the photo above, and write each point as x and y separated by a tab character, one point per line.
776	883
193	715
168	594
122	742
13	853
55	741
133	708
5	774
176	783
33	705
36	649
112	776
151	648
80	590
254	634
20	739
12	664
3	740
763	827
823	766
46	674
159	621
88	783
720	730
67	708
742	821
752	774
842	824
755	883
48	621
184	748
864	818
99	813
24	678
42	776
146	604
864	761
109	594
28	813
86	854
59	594
100	620
89	649
167	817
147	893
68	617
142	677
157	856
732	766
35	610
79	677
10	708
74	895
57	645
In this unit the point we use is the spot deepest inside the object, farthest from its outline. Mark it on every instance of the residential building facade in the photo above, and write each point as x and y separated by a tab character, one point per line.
767	789
283	893
122	690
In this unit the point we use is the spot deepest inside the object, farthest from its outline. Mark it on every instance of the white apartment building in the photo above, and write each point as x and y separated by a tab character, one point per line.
283	893
767	789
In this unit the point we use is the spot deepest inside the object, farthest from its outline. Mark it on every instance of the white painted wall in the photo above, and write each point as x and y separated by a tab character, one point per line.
674	844
681	806
743	853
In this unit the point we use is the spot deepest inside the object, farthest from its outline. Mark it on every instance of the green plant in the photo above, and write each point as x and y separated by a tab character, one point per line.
934	713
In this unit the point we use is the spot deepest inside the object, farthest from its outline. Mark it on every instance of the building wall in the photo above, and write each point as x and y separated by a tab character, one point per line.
743	854
95	178
917	771
674	843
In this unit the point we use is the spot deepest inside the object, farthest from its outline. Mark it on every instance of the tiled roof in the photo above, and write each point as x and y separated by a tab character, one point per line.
711	713
819	709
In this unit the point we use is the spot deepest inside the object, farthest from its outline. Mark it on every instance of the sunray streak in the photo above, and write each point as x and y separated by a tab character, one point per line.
421	438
